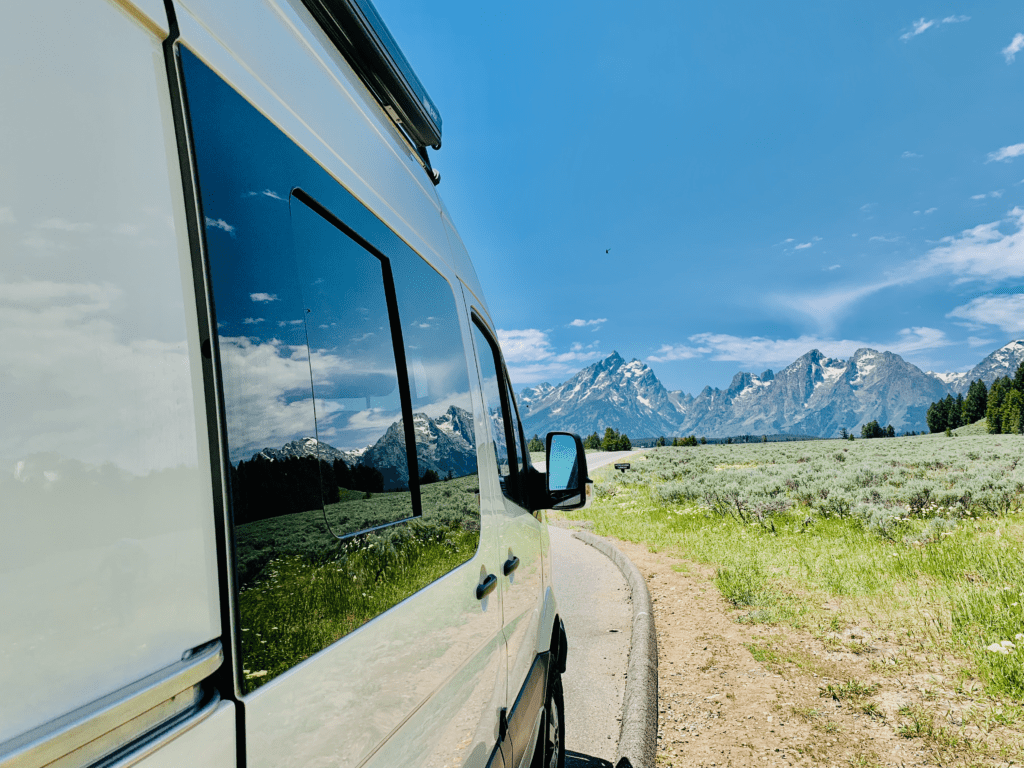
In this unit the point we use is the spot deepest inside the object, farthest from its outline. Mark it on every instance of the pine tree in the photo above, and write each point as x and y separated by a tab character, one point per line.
1013	412
975	402
994	407
890	431
843	433
936	416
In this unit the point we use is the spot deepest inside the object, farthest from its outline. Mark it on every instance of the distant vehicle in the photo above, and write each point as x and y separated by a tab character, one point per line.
264	492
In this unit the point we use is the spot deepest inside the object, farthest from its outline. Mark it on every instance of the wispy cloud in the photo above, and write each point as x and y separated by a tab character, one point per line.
264	193
670	352
931	210
1004	312
921	25
1011	51
908	154
833	267
263	298
220	224
995	194
801	246
584	323
1006	154
756	351
884	239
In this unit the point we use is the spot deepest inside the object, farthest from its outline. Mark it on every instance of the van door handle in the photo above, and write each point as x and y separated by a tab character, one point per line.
486	586
510	565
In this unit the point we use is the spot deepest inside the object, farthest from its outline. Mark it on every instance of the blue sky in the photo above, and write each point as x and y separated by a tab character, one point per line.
721	187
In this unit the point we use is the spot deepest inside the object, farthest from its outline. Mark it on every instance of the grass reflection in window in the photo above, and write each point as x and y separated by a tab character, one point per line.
296	598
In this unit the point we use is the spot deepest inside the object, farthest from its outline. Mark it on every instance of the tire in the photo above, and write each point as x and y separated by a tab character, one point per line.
550	752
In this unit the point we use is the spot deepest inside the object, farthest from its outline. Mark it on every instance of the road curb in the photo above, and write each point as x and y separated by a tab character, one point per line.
638	735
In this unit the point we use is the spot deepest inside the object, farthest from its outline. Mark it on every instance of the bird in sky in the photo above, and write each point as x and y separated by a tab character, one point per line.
607	250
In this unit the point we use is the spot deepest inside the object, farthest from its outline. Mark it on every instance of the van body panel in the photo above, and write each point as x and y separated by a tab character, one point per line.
207	744
151	14
103	475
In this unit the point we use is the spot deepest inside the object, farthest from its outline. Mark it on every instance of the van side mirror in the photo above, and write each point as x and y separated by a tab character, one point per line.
566	481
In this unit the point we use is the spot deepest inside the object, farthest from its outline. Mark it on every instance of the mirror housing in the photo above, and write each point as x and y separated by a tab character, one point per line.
566	483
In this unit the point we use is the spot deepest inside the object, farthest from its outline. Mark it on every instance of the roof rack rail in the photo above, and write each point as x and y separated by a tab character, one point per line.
358	31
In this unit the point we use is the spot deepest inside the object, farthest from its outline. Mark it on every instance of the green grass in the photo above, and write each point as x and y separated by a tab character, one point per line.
923	537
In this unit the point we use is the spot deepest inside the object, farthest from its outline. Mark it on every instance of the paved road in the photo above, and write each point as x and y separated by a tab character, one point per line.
593	599
595	460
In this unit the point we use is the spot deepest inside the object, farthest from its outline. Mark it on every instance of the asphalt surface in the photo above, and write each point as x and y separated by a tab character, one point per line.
593	600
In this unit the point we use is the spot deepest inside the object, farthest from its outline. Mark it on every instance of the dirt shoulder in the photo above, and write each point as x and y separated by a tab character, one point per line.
740	694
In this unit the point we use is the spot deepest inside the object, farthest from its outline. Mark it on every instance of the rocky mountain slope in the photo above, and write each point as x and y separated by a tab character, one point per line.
815	395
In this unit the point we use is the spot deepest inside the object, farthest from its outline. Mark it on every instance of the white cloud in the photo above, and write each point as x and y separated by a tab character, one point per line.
669	352
1011	51
931	210
995	193
978	197
584	323
919	27
833	267
531	357
976	341
883	239
922	26
908	154
1004	312
253	320
981	253
801	246
1006	154
220	224
263	297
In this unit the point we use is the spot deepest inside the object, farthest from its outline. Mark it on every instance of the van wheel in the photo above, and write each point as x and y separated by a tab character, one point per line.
551	745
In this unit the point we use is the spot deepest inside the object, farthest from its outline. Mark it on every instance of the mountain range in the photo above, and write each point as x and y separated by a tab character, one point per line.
815	395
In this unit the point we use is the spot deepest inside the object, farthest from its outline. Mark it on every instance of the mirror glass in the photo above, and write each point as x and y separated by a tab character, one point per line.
563	464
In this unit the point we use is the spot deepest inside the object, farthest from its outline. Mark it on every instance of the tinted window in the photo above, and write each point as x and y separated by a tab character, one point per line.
439	390
331	334
500	425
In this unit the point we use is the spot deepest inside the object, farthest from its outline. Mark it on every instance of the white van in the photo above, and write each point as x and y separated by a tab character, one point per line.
231	302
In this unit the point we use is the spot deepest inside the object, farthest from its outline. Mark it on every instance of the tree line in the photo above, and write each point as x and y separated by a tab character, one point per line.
263	488
1001	405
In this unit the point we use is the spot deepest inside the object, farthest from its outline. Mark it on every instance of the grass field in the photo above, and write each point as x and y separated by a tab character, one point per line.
919	538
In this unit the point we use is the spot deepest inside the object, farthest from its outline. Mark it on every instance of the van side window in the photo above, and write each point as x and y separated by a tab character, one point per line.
500	423
338	346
